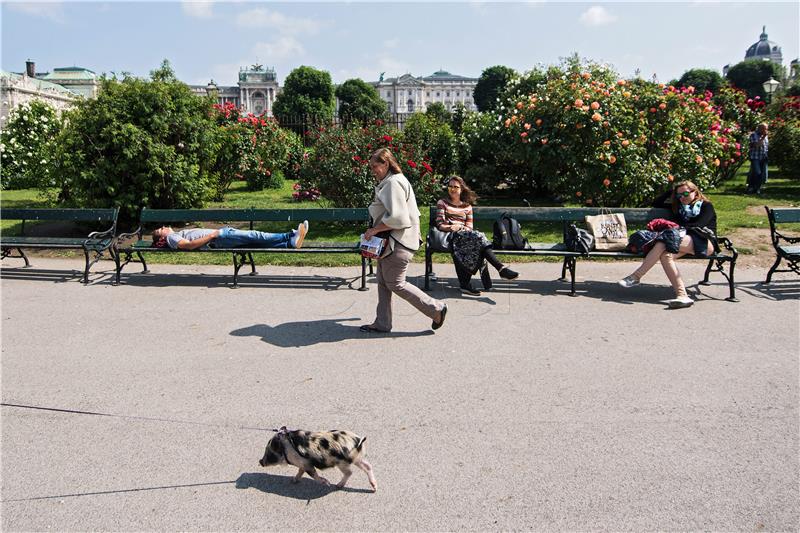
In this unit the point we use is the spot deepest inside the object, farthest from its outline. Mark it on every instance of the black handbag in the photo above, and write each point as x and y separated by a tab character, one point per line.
578	240
438	240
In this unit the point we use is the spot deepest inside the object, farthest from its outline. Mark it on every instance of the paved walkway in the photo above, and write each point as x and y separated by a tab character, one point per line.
528	410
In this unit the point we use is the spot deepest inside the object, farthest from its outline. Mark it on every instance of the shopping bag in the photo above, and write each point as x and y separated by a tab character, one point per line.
609	230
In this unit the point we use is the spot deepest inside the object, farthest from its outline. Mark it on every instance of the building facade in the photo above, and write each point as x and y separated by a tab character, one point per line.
79	80
255	93
407	94
762	49
17	89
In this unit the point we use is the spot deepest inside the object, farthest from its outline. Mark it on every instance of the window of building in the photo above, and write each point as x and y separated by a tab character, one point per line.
438	94
428	94
410	105
458	94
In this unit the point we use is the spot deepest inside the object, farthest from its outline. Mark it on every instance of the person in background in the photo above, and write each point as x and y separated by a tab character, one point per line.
758	152
469	247
394	211
698	221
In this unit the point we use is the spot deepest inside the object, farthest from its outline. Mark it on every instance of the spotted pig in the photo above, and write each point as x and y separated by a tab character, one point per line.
309	451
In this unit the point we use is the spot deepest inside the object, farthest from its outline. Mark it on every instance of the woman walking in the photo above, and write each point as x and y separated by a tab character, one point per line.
395	214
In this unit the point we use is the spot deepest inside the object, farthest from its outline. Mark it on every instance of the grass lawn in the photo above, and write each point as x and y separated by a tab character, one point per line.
734	210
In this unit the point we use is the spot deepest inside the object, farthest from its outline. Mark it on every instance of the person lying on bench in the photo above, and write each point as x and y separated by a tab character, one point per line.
227	237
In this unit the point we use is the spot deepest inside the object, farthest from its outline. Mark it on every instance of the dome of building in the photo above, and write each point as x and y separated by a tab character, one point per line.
764	49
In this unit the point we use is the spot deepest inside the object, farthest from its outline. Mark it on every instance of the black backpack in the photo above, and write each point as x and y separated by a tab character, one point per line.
578	240
508	234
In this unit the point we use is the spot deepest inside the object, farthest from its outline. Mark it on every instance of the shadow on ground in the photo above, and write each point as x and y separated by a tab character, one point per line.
307	489
309	333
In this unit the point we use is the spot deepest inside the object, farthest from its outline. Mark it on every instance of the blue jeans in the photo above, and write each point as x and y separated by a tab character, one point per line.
235	238
757	175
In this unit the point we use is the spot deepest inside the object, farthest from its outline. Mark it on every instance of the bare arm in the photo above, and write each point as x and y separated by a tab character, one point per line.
185	244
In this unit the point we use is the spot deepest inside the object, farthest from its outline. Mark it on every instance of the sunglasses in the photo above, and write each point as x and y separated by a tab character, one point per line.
685	194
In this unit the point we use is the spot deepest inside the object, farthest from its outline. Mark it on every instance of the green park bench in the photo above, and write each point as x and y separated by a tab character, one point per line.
634	217
787	248
153	218
94	245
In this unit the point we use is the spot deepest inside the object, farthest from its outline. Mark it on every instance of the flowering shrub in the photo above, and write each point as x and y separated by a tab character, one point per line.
784	143
251	148
139	143
338	168
433	137
295	156
607	141
28	146
305	195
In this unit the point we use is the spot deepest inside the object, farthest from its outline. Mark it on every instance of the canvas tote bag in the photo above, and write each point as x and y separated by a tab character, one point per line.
609	230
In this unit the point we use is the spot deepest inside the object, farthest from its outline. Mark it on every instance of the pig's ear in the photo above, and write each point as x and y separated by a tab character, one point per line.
283	430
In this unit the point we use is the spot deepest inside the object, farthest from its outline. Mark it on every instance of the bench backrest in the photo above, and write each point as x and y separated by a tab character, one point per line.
152	216
561	214
85	215
783	214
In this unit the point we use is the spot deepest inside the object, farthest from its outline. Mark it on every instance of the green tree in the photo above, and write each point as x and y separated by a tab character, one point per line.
139	143
702	79
28	146
433	138
359	102
491	84
438	112
307	95
751	74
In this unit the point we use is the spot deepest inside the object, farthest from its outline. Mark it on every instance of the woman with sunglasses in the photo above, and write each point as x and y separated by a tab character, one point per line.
469	247
698	226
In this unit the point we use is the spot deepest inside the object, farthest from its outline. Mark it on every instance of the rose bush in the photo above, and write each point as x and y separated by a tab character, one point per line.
28	146
589	135
337	166
253	148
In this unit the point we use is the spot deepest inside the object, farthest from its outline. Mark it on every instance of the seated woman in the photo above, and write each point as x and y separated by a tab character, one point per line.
227	237
469	247
698	221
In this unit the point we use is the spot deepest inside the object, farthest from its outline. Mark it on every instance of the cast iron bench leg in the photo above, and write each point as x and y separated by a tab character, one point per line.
428	269
236	266
564	269
363	274
86	269
572	263
24	257
144	264
252	264
732	297
773	269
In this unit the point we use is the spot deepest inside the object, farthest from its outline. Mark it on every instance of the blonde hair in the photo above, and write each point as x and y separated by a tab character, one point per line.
692	187
384	155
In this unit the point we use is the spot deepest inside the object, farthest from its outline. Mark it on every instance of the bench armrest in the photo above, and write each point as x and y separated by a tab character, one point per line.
728	245
790	240
101	234
135	233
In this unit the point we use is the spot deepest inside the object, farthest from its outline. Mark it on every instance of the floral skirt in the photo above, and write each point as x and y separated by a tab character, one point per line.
468	248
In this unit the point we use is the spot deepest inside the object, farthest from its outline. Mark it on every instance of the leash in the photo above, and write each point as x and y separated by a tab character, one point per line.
135	417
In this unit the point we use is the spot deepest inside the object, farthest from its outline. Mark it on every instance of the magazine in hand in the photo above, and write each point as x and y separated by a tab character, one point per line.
374	247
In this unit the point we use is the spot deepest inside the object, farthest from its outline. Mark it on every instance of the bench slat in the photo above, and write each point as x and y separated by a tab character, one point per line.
786	214
252	215
562	214
59	214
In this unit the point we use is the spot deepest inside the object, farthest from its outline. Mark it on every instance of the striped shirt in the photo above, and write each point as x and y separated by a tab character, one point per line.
447	213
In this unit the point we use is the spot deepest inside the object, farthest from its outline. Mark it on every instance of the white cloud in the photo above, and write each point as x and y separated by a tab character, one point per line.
265	18
281	48
201	10
597	16
48	10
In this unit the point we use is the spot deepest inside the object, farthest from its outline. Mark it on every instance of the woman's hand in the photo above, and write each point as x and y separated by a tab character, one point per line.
369	233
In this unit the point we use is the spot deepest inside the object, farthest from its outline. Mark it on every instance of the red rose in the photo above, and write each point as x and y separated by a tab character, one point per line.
411	164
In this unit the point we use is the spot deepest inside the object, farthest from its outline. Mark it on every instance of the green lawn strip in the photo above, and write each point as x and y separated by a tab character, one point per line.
729	200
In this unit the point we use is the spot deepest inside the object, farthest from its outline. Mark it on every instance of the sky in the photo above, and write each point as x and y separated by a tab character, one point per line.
362	39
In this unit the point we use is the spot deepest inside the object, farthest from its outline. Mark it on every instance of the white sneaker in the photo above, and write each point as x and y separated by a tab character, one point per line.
300	234
629	281
680	303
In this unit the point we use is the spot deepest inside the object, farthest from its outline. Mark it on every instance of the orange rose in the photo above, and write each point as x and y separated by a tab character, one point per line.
595	105
597	117
606	182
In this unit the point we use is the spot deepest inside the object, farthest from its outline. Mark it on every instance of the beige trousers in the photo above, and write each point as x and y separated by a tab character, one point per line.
391	276
660	253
